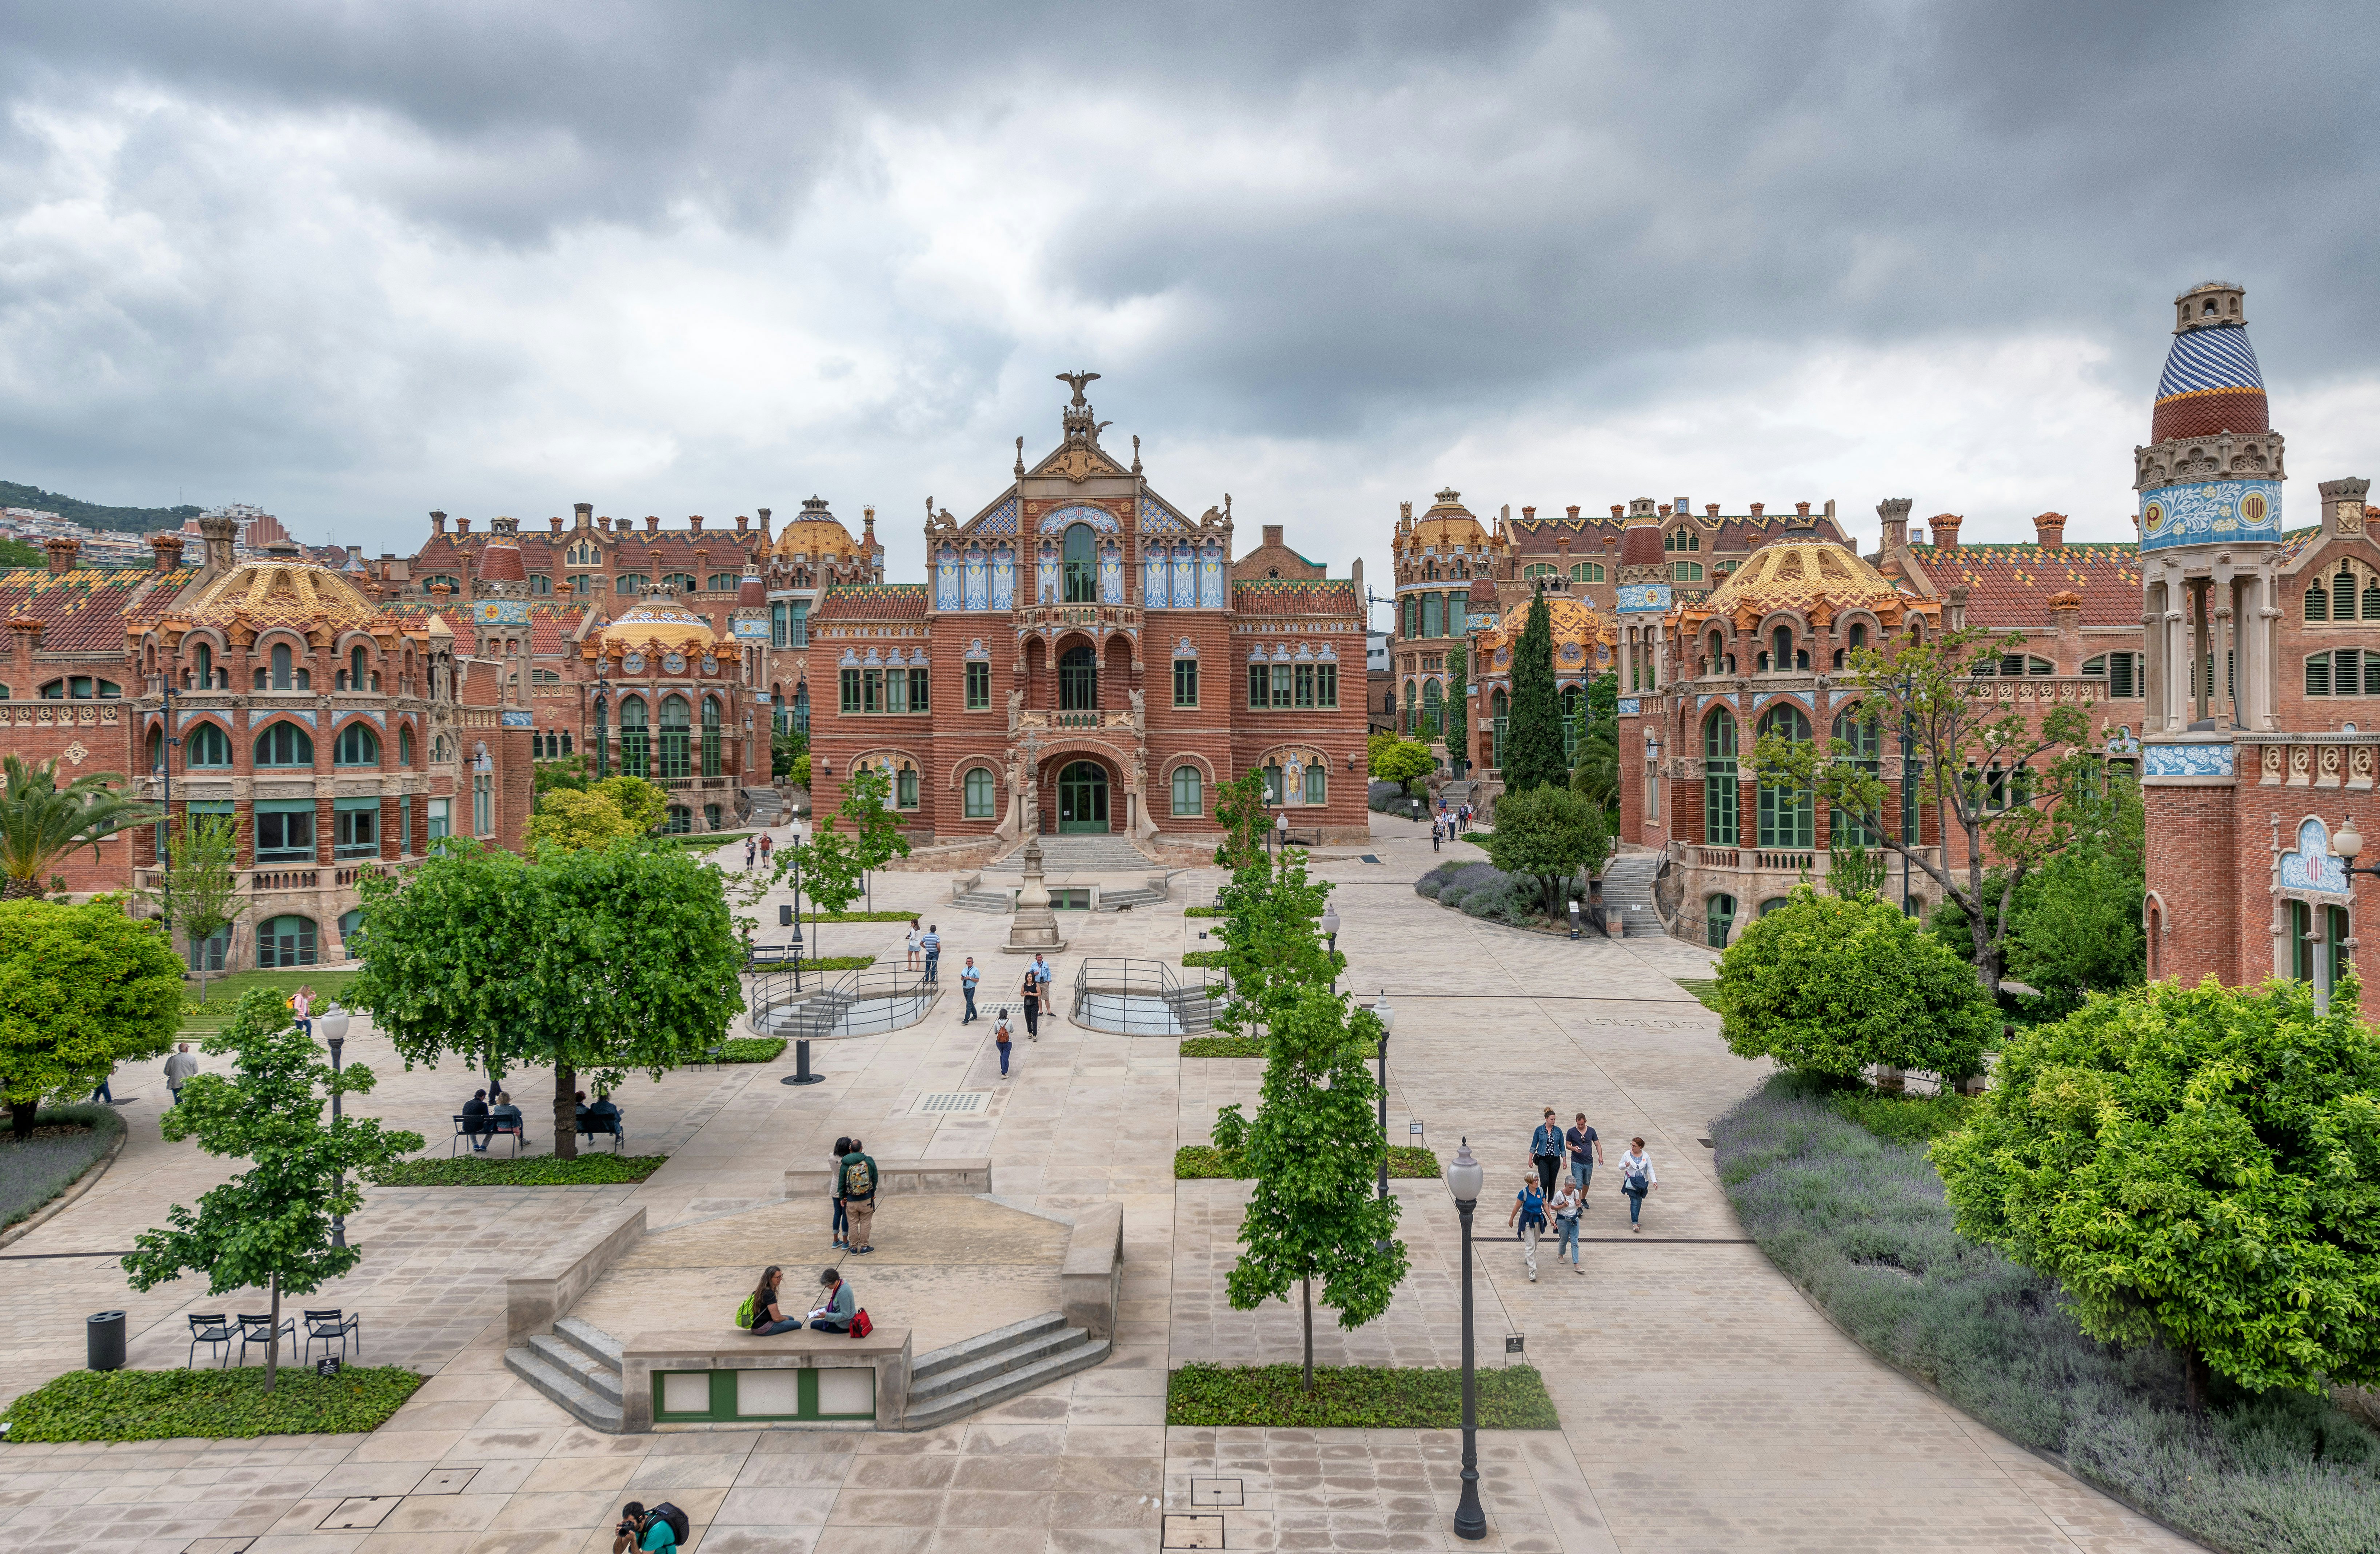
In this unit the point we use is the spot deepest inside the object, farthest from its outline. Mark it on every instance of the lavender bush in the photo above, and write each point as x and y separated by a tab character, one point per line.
33	1172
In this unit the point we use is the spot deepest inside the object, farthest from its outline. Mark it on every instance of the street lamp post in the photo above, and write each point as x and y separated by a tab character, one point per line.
1388	1018
1463	1179
335	1030
1331	938
2346	842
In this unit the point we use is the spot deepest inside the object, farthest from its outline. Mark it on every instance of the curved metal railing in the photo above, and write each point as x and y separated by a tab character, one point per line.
1143	997
838	1004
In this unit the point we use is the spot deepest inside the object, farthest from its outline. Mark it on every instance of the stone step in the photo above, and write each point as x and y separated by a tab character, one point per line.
983	901
967	1350
1078	855
590	1340
1112	901
584	1404
1009	1384
1014	1355
574	1362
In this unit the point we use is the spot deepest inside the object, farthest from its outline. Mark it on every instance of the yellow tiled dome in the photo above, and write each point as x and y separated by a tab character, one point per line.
1795	575
664	621
284	593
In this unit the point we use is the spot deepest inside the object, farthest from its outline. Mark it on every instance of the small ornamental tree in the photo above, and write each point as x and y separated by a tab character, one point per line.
1313	1148
1830	984
1550	834
1532	743
202	869
41	824
1270	947
2200	1166
875	829
576	818
271	1225
82	989
1458	705
1240	810
1402	760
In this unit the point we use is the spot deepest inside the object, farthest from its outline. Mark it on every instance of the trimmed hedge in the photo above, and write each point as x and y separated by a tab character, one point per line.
840	963
1353	1398
37	1171
529	1170
1222	1047
747	1050
857	916
220	1405
1196	1162
1203	958
1204	911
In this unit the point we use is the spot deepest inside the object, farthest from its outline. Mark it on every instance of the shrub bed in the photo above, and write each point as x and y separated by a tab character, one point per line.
1204	911
1222	1047
749	1049
158	1404
1860	1222
67	1141
1353	1397
1203	957
857	916
529	1170
1196	1162
1481	890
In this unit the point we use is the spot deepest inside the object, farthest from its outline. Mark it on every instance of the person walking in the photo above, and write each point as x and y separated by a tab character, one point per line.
178	1068
768	844
1437	833
968	977
1636	1180
1546	1153
103	1093
1529	1215
768	1317
909	942
932	944
1568	1204
842	1146
1000	1036
1585	1154
1031	995
1042	974
301	1007
855	1180
752	854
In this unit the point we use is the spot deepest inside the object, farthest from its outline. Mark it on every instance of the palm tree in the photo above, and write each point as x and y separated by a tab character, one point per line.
41	824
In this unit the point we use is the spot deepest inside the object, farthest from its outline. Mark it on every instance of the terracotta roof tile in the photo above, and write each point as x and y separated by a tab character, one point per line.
873	601
2010	585
1288	596
85	610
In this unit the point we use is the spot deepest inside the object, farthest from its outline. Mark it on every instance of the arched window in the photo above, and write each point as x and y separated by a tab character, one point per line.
904	787
712	764
636	738
206	658
1540	569
1082	566
725	582
156	749
351	928
2344	672
1189	791
404	747
1722	798
286	675
356	746
1780	657
981	787
285	744
682	582
1078	666
357	678
207	744
680	821
1573	725
1412	702
1718	920
1787	814
676	718
1500	720
1861	740
1272	782
1858	636
1687	571
1433	709
1587	572
285	941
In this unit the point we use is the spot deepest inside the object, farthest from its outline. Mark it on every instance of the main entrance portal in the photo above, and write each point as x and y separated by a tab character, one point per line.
1083	799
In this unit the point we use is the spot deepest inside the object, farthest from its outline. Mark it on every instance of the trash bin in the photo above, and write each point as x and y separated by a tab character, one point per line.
104	1340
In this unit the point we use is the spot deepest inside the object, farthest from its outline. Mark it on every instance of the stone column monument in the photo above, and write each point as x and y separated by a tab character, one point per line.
1034	930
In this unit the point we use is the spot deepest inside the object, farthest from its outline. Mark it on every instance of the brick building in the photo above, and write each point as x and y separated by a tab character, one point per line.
1086	658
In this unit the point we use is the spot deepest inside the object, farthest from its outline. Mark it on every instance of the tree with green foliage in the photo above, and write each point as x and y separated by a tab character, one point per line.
17	553
1832	985
1313	1148
566	772
1533	740
1271	948
203	880
1402	760
1550	835
596	814
1994	774
787	750
41	824
596	961
2199	1166
830	870
1854	871
874	827
1240	810
1458	704
272	1224
82	989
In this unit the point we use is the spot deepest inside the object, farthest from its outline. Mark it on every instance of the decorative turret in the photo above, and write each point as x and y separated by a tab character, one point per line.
2211	473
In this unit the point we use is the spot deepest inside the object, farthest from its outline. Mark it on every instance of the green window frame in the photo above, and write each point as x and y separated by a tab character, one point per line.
1722	786
676	761
904	788
1317	783
1189	791
284	940
1259	678
850	686
636	738
981	789
712	760
1081	566
1433	615
1789	817
1718	920
979	686
355	828
284	744
1185	682
206	745
284	829
1587	572
761	1393
1862	746
357	745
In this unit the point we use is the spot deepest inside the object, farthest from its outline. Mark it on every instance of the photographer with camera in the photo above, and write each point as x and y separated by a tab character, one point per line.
656	1531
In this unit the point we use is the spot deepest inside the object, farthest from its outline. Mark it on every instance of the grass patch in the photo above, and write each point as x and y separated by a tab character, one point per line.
223	994
529	1170
1860	1222
859	917
1203	957
1705	989
1222	1047
749	1049
158	1404
1353	1397
1204	911
1196	1162
67	1141
840	963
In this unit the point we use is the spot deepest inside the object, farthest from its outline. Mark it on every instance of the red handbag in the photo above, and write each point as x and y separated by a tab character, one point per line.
860	1326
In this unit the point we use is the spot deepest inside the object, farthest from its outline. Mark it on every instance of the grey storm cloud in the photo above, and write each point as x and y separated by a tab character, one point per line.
228	233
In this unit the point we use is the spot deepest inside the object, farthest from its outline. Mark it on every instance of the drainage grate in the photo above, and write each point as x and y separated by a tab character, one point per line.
951	1103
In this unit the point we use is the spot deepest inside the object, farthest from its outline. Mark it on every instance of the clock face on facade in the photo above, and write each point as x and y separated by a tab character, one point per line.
672	663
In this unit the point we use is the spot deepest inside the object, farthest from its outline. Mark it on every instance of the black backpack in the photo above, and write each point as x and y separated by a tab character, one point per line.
674	1517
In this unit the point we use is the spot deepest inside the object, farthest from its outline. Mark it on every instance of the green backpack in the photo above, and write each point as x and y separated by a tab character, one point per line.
745	1315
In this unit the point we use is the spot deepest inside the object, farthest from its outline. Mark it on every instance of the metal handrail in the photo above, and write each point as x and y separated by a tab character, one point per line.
847	1003
1191	1005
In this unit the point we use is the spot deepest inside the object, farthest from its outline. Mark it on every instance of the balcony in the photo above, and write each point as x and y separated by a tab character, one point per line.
1031	617
1793	860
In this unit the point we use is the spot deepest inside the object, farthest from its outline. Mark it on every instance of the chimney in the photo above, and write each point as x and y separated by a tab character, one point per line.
1683	506
743	523
652	523
1894	511
2066	614
1611	542
557	524
1618	509
1758	508
437	521
764	525
1663	509
462	526
1956	616
1272	534
2049	531
1946	530
169	551
868	526
621	525
1404	515
695	521
1529	514
1710	510
61	552
1562	546
1573	512
1800	509
582	514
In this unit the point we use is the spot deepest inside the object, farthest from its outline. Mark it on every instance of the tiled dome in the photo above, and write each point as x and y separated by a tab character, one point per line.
664	621
816	533
283	593
1796	574
1446	525
2211	382
1580	637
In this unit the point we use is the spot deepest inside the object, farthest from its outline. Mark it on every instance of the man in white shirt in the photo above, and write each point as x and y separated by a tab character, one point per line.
179	1067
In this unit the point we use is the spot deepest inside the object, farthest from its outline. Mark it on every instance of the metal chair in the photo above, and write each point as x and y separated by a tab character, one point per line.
328	1325
256	1327
212	1328
474	1128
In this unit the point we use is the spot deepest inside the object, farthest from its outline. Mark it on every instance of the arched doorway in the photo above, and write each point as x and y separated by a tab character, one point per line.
1083	799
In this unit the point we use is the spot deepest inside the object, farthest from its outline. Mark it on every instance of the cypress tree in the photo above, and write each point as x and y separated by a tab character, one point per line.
1533	746
1458	711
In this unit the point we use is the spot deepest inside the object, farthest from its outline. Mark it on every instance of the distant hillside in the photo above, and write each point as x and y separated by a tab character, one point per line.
133	520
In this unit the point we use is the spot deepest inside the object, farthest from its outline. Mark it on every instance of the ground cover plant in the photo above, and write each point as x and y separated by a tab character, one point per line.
1482	889
67	1141
1705	989
1864	1225
220	1405
855	918
1204	958
1353	1397
1222	1047
749	1049
1202	911
1196	1162
527	1171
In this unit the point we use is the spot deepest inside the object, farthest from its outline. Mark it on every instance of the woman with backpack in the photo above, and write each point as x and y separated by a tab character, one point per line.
999	1034
1529	1213
1636	1179
759	1315
841	1218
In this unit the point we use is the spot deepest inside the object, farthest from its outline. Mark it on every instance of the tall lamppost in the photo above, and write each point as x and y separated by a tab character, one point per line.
2346	842
1331	938
335	1030
1463	1179
1388	1018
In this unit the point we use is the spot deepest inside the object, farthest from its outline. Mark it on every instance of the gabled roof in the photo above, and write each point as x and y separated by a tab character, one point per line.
871	601
86	610
2010	585
1292	596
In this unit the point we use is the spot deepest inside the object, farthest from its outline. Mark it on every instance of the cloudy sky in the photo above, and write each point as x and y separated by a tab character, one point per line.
355	261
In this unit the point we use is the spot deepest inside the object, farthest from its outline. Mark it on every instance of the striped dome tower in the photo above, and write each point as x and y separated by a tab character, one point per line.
2211	382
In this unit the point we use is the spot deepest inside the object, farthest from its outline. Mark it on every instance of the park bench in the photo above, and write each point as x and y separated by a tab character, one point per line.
613	1128
480	1128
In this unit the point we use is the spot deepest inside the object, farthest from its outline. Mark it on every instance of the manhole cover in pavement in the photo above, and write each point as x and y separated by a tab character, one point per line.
950	1103
445	1481
360	1511
1184	1531
1215	1491
218	1544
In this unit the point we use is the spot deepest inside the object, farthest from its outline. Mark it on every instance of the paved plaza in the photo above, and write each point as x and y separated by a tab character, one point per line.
1704	1404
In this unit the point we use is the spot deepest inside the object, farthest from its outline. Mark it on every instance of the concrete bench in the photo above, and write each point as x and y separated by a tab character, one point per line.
893	1177
726	1378
550	1286
1091	1281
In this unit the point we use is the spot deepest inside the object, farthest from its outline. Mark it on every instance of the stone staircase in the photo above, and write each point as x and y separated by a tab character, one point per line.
947	1384
1628	895
1079	855
983	901
578	1365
